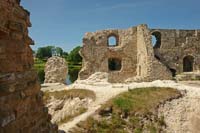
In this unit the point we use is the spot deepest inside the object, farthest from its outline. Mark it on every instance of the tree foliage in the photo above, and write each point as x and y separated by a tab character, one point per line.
46	52
65	55
59	51
74	55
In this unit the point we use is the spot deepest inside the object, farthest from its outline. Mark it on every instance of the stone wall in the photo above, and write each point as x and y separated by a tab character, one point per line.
56	70
21	106
176	45
96	52
149	67
133	48
142	51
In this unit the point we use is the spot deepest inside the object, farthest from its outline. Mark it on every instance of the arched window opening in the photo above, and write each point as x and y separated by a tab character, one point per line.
114	64
153	40
112	40
188	62
156	39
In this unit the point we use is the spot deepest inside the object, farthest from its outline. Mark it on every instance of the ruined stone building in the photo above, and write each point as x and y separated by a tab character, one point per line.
134	57
21	106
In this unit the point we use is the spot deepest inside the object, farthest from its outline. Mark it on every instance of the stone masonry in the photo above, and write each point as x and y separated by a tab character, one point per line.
56	70
134	57
21	105
133	51
179	50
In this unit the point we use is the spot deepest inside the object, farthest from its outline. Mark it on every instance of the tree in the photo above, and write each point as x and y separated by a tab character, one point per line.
46	52
74	55
65	55
59	51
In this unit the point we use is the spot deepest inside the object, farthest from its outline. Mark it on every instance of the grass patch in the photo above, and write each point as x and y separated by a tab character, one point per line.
39	64
132	111
65	94
142	100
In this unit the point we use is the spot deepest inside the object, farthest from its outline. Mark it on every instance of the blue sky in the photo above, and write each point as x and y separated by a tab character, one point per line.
63	22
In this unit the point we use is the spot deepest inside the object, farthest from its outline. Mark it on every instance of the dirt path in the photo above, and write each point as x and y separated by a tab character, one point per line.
103	93
191	83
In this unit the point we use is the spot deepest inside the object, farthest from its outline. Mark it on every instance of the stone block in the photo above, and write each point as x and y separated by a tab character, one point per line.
5	120
16	26
17	35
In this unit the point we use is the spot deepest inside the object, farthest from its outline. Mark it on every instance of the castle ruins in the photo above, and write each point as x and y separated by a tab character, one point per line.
133	57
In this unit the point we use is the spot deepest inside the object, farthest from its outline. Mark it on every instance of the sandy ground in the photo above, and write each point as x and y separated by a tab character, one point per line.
191	83
181	115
